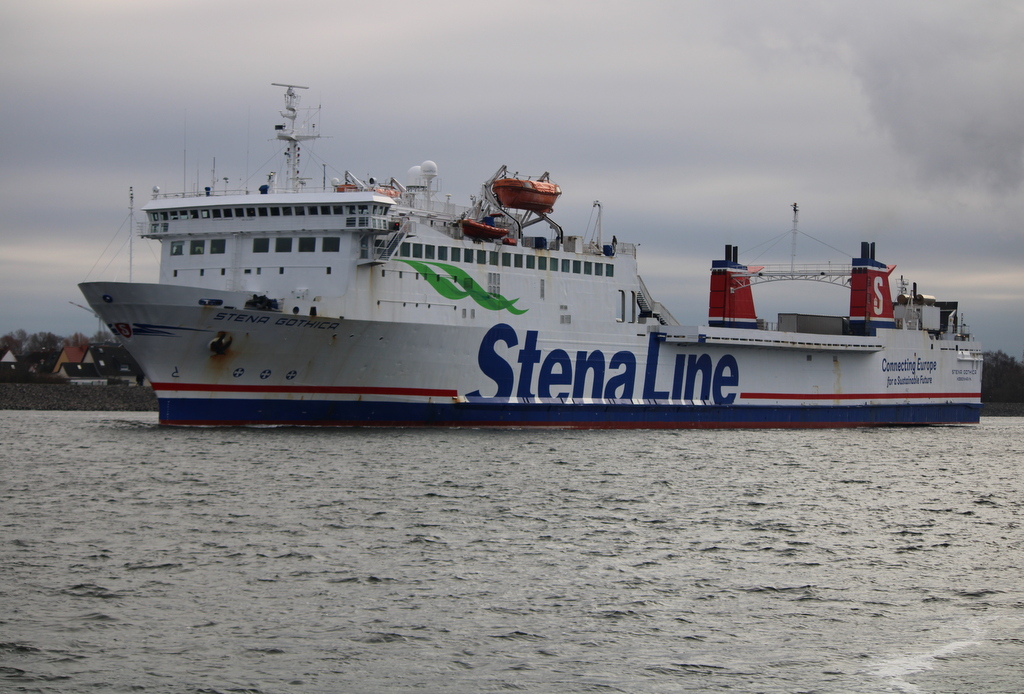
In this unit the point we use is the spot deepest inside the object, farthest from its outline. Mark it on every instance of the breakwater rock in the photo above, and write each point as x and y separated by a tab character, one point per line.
59	396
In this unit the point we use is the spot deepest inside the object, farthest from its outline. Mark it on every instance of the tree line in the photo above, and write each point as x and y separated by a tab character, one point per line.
20	342
1002	378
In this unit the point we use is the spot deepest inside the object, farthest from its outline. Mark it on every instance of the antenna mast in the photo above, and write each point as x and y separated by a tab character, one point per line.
792	253
291	135
131	229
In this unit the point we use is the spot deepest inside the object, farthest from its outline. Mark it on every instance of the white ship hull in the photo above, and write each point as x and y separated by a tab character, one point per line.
301	370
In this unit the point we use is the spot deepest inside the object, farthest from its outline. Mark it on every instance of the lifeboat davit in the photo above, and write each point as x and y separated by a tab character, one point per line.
520	194
479	230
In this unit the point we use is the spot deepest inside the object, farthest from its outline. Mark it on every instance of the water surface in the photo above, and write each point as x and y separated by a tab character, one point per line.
135	557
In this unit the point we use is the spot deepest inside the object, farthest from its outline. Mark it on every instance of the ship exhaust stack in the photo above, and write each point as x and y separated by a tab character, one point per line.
731	302
870	297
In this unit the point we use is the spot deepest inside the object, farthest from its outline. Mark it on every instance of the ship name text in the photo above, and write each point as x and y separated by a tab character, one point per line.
559	375
288	322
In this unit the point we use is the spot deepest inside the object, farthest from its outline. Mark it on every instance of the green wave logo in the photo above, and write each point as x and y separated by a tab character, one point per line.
463	286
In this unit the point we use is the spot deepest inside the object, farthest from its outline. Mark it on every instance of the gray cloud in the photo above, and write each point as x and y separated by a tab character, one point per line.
695	123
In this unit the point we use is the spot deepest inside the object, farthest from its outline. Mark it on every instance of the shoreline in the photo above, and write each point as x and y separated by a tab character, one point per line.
66	397
63	397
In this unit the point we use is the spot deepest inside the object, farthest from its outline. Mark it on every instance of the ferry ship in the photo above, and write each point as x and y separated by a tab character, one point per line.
383	303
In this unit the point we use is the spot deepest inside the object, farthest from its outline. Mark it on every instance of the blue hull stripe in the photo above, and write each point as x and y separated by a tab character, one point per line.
203	411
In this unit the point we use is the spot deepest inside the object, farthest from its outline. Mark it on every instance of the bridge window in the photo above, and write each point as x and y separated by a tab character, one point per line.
177	247
261	245
217	246
331	244
197	247
307	244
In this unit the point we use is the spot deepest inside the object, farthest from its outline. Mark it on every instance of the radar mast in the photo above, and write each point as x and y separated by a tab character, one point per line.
293	135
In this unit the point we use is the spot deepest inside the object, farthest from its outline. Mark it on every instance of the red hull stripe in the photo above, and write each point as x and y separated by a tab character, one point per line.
344	390
854	396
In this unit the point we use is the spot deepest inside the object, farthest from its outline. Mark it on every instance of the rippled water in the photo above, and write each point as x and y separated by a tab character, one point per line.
141	558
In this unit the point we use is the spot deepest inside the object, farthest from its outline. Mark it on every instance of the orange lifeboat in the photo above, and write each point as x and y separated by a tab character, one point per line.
520	194
479	230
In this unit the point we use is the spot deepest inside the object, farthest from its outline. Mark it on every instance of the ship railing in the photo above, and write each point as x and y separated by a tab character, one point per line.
625	249
204	194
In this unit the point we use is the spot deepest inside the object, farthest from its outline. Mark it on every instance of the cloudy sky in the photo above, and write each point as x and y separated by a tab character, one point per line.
695	124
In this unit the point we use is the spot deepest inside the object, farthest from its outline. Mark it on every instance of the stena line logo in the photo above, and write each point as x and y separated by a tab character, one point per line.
529	373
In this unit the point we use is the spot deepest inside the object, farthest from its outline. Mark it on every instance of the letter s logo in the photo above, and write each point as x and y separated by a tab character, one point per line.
492	365
877	307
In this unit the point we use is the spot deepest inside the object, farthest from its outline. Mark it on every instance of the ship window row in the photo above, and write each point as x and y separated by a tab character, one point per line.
304	244
457	254
380	223
270	211
247	271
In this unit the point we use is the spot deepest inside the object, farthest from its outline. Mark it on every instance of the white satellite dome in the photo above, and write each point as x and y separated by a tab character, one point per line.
428	169
415	176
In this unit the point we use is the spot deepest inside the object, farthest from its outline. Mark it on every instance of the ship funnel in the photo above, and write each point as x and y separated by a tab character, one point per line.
870	296
731	302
